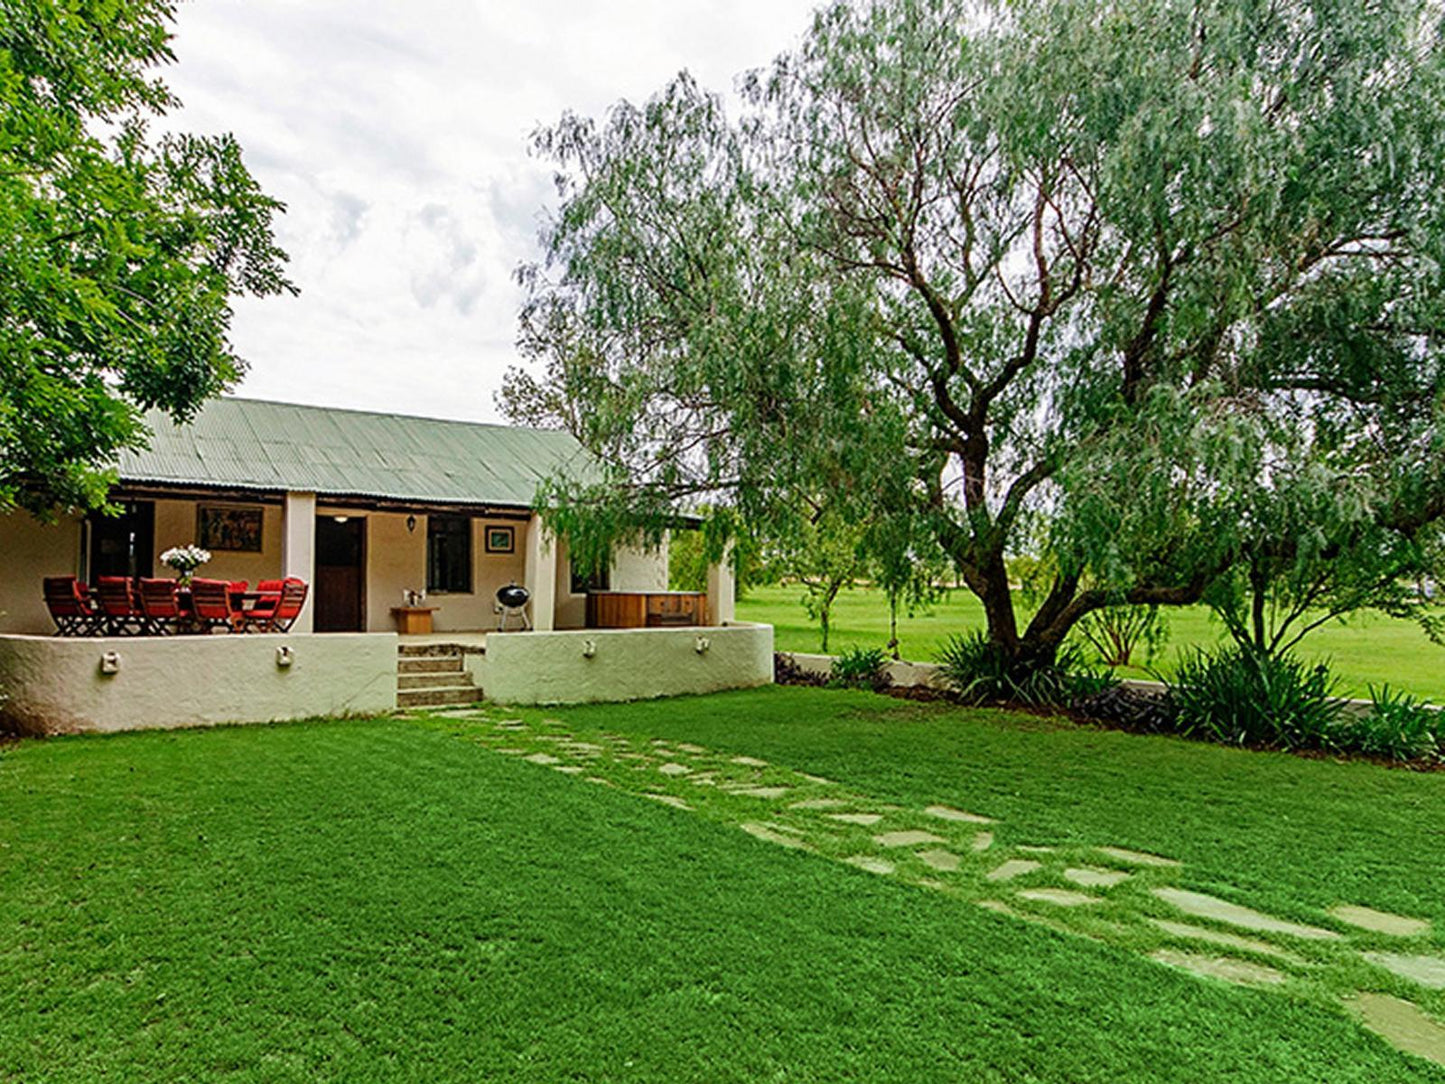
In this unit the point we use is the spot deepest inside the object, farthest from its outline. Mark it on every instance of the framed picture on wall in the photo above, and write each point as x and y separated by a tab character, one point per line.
501	539
229	527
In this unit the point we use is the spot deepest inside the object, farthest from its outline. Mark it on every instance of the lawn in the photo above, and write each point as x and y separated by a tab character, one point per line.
1369	649
394	899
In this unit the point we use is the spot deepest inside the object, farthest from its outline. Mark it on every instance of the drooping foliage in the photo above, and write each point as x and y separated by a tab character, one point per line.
1155	282
120	252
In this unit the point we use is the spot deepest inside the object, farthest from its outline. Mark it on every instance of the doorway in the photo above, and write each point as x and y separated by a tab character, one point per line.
340	574
122	545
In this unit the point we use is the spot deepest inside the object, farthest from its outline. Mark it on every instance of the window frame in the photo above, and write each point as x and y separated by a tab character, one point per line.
443	526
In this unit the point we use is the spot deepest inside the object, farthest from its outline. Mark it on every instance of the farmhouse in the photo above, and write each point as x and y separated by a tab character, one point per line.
403	530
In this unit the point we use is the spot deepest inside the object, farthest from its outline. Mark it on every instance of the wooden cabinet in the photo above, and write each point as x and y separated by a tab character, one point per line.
645	609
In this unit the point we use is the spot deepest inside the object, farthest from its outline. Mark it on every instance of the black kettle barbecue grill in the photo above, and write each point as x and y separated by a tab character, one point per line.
512	602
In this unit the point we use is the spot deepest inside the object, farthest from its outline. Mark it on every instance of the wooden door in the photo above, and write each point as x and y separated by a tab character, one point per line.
340	574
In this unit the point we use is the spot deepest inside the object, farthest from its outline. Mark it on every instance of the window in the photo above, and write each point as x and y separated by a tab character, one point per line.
449	554
582	581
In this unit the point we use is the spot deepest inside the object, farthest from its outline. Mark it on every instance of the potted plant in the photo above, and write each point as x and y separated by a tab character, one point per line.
184	560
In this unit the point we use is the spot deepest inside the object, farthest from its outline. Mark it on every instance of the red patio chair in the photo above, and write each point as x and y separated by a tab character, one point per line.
120	614
70	608
161	607
211	604
277	613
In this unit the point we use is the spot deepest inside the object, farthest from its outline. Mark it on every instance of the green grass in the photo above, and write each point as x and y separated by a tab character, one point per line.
1369	649
383	900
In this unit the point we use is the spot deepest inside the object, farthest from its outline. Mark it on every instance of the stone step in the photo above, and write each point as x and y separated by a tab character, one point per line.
451	679
429	664
430	650
428	698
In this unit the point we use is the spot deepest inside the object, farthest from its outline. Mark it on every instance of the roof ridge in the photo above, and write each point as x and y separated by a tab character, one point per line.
385	414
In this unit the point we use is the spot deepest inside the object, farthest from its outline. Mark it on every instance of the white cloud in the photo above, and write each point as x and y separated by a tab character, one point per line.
397	135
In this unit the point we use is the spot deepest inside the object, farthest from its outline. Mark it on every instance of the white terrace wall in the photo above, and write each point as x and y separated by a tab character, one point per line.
55	685
586	665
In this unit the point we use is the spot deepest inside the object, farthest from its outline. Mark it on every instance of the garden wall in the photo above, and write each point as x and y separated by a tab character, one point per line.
54	685
586	665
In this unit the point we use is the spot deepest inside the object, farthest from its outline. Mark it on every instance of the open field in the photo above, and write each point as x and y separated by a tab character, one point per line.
396	899
1368	650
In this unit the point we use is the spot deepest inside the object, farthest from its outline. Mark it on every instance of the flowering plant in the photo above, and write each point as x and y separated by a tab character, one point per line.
185	559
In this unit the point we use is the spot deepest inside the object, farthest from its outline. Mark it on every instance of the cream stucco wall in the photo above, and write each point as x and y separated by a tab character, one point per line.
633	569
175	525
624	664
30	551
56	685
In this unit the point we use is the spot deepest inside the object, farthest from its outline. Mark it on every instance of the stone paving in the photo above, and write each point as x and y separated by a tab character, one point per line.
1378	965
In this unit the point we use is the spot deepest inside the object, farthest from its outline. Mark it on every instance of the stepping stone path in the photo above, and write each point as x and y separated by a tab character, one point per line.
906	839
943	848
1367	918
1089	877
1428	971
1201	906
1014	867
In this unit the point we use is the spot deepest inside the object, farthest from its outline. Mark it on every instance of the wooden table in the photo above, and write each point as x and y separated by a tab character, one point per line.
413	619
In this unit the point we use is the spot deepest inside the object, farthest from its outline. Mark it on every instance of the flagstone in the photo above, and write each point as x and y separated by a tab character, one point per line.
865	819
943	812
819	803
1035	850
672	768
1402	1024
569	769
998	907
772	834
1240	972
1089	877
817	779
512	752
944	861
906	838
870	863
1426	970
751	762
983	841
667	799
1014	867
1138	858
1218	937
1367	918
760	792
543	758
688	747
1063	897
1202	906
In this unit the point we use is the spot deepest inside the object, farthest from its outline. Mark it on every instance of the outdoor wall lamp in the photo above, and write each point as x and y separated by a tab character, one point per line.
285	656
589	648
410	524
340	519
110	662
703	643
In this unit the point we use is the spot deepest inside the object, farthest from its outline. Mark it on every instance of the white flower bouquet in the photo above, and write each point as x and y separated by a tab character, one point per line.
185	559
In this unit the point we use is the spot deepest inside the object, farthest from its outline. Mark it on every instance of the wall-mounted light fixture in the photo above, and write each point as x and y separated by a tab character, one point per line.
285	656
410	524
703	643
589	648
340	519
110	662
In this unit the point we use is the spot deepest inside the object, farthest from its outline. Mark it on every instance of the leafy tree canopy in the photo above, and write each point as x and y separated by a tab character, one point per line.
1158	282
119	252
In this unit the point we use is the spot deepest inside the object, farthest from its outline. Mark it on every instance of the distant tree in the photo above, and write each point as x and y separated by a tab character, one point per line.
827	557
1166	271
119	252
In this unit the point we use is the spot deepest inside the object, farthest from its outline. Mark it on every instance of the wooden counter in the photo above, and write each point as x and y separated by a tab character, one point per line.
645	609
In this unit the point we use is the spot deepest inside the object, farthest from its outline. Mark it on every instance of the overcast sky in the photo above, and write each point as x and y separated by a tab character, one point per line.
396	133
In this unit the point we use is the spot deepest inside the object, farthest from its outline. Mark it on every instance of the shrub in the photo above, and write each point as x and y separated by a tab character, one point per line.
1397	726
1240	696
860	668
980	672
1117	632
787	672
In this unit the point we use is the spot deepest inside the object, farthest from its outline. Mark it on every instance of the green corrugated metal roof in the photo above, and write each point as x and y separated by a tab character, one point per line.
252	444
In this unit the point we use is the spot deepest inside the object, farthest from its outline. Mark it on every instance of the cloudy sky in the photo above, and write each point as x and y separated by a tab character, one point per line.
396	132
